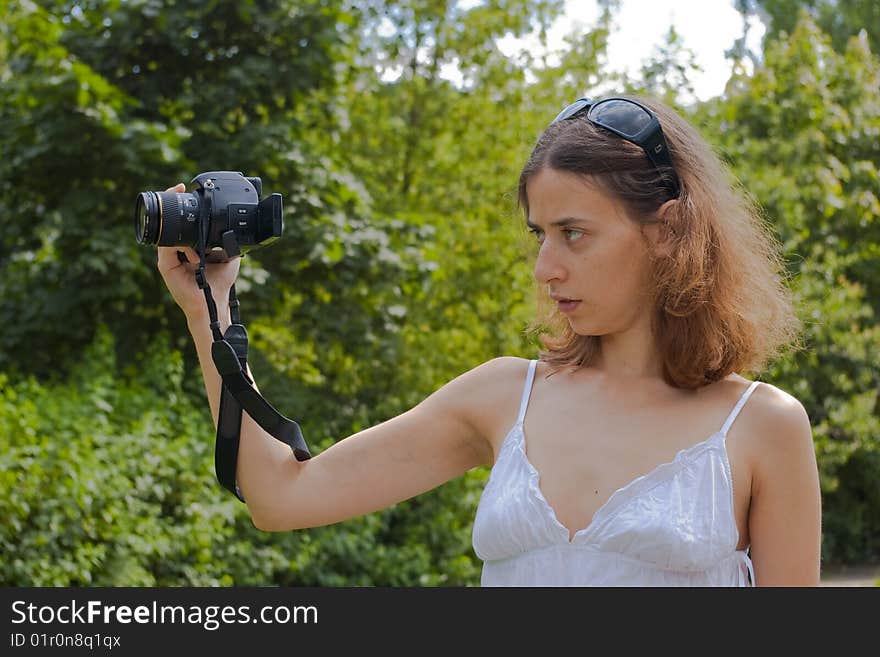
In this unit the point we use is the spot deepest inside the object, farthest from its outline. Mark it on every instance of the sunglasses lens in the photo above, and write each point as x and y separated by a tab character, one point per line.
624	117
571	110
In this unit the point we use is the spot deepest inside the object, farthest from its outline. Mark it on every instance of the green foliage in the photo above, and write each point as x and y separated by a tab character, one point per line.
113	486
667	74
111	479
118	114
840	19
104	100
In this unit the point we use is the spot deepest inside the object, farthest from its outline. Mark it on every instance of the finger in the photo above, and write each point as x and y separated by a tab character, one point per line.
179	188
168	259
189	253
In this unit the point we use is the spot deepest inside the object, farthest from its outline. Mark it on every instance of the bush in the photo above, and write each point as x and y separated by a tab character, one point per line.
110	482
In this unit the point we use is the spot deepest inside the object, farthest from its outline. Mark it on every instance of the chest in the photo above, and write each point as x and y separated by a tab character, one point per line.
586	449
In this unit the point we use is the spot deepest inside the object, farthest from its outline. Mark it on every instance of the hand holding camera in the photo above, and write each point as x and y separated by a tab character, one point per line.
178	267
222	218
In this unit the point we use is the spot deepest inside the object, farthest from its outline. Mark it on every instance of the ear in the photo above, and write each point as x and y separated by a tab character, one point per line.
662	231
666	220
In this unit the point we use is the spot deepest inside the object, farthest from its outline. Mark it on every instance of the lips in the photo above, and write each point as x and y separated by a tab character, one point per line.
567	306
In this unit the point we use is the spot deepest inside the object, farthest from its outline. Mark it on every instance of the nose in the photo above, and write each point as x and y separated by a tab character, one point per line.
549	265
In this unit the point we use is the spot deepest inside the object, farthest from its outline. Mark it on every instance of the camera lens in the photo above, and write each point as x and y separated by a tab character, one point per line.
167	218
147	218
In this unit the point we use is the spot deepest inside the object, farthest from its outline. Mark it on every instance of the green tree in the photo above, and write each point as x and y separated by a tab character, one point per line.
667	74
800	133
102	100
841	19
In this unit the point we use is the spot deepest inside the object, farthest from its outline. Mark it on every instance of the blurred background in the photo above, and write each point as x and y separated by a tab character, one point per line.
395	132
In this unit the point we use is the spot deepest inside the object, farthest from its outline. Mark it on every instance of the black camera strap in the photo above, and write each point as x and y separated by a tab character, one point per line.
229	353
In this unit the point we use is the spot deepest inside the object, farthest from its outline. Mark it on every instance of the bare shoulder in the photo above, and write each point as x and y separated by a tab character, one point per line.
780	414
781	433
489	395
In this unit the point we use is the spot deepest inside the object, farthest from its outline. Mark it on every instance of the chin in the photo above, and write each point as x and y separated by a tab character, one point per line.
585	329
581	330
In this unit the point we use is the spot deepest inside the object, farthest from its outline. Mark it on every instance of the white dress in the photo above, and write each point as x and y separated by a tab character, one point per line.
673	526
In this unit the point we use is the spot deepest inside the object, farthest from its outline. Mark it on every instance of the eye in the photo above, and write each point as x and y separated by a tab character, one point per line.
536	231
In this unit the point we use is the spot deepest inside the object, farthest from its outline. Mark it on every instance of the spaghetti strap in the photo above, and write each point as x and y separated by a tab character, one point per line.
736	409
527	389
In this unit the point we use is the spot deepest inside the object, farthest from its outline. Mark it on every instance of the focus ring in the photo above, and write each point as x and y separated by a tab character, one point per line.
169	219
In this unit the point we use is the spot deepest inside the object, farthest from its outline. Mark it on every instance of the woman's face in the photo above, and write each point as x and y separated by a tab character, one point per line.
598	256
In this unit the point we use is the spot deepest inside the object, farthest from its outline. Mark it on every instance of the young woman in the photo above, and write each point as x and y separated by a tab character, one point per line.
644	458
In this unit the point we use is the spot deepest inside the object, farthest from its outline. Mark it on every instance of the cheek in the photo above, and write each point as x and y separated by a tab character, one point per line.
615	277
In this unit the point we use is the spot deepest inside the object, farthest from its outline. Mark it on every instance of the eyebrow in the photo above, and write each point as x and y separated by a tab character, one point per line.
565	221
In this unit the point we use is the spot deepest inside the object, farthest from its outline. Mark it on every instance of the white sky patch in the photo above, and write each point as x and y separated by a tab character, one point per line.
707	27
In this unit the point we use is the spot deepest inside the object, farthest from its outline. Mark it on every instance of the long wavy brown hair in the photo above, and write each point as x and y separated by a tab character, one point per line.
721	298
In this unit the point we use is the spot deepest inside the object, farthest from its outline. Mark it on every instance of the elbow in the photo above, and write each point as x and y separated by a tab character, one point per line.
269	507
265	522
262	523
260	517
271	522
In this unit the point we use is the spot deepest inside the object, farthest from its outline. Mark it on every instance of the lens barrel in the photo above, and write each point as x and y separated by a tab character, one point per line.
166	218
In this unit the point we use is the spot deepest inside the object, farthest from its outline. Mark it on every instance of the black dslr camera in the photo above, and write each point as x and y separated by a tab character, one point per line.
225	207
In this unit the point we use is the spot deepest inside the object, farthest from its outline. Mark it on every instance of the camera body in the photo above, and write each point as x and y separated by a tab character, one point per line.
225	206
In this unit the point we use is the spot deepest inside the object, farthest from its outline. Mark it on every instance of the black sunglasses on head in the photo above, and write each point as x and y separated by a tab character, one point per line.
631	121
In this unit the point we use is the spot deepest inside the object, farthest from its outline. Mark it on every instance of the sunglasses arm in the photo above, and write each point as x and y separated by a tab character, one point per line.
657	151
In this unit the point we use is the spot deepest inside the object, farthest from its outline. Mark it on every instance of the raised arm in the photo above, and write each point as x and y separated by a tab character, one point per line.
441	438
414	452
437	440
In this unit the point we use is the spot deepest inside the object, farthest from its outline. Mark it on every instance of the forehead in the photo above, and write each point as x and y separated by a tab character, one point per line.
554	194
